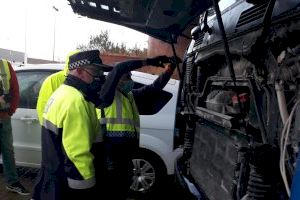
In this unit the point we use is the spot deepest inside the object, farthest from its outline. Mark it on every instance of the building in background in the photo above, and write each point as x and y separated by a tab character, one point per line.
17	57
111	59
158	47
12	56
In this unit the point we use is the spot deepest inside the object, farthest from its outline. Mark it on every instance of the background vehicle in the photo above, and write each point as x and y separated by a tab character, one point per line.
157	153
240	91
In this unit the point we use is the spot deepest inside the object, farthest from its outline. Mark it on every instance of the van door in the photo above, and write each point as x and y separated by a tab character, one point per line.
25	126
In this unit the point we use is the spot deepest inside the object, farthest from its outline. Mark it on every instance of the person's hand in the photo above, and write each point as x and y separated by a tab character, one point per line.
2	99
174	60
158	61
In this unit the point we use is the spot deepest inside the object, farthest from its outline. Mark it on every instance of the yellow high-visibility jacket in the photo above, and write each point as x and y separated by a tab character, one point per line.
70	127
50	84
5	77
122	117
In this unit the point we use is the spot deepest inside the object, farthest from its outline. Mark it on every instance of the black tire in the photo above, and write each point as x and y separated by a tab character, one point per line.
149	173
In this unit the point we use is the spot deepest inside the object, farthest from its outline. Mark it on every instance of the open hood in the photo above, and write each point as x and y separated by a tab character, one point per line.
162	19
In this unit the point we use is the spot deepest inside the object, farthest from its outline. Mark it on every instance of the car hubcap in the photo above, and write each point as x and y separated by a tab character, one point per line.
143	175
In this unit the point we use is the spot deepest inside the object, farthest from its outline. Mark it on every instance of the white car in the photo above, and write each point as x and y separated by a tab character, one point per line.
157	152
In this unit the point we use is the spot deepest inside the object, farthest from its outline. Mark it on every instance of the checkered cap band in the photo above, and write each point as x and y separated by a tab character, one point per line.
91	57
79	63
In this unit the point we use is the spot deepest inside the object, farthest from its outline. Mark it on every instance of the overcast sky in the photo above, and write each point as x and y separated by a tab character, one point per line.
38	17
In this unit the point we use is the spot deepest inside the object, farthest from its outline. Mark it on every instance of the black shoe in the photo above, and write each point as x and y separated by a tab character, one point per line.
17	188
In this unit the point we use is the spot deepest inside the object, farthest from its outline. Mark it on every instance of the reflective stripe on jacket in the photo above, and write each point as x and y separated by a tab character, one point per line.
5	77
71	122
122	117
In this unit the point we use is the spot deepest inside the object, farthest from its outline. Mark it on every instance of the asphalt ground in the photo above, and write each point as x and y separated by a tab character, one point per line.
169	191
27	178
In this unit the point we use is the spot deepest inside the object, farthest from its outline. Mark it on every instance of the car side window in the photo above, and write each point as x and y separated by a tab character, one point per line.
148	105
29	85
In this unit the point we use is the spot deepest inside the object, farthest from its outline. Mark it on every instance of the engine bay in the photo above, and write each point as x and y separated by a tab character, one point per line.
241	133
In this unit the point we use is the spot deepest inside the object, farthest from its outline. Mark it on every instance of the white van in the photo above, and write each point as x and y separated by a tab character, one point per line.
157	152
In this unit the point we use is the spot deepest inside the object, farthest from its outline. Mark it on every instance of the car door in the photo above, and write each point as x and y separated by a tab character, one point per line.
25	126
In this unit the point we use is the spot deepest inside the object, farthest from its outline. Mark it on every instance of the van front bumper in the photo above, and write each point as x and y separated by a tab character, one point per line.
190	189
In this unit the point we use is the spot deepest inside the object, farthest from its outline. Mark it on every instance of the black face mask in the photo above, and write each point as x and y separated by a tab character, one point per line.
95	86
93	90
90	90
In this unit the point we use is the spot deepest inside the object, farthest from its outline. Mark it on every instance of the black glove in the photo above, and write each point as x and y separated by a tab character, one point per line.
174	60
158	61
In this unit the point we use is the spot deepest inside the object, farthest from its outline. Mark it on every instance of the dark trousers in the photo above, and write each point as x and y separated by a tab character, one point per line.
118	176
7	151
49	186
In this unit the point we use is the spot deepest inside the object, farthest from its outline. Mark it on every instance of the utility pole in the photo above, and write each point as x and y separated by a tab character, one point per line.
25	35
54	32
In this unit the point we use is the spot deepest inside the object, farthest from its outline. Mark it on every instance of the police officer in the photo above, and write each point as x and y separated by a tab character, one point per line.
122	125
68	131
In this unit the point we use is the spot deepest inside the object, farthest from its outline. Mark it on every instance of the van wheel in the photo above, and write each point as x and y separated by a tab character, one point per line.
149	172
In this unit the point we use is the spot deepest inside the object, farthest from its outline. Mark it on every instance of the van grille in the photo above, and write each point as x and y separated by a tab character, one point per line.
252	14
199	40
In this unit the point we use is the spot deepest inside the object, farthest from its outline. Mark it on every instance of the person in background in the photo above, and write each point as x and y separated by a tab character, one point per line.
9	100
50	84
121	125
